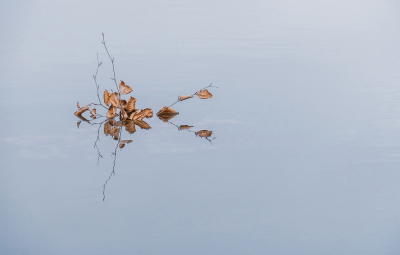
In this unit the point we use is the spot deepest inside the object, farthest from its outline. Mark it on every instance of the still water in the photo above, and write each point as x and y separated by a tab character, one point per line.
304	155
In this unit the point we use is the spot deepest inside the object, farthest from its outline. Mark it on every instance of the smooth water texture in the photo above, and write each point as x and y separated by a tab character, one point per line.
306	120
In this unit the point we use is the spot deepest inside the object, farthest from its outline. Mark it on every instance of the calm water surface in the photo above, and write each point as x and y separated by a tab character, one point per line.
306	120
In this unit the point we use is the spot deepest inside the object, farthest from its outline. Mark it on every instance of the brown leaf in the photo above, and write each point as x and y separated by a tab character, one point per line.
107	128
181	98
78	123
130	106
122	114
166	118
111	112
114	99
81	110
130	127
124	89
77	105
93	112
204	94
106	97
123	103
112	122
183	127
83	118
204	133
115	133
142	124
123	142
167	110
139	115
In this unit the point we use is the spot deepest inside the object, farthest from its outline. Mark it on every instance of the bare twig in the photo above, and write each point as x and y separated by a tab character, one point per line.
191	95
112	62
95	81
113	171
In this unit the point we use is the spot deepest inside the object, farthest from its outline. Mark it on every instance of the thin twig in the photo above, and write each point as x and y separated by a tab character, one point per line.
112	62
95	81
191	95
113	171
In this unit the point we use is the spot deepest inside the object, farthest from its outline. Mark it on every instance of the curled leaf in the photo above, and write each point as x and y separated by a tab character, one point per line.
123	142
123	103
115	133
142	124
83	118
124	89
204	94
106	96
183	127
107	128
81	110
130	106
111	112
139	115
166	118
114	99
93	112
181	98
204	133
130	127
122	114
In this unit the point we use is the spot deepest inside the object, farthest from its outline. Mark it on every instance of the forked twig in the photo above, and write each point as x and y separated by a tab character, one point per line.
177	101
95	81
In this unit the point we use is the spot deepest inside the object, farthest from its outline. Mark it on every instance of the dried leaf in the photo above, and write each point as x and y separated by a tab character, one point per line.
122	114
204	94
123	142
130	127
115	133
93	112
183	127
111	112
106	97
114	99
149	114
107	128
166	118
130	106
81	110
139	115
166	110
77	105
123	103
82	118
181	98
204	133
124	89
78	123
112	122
142	124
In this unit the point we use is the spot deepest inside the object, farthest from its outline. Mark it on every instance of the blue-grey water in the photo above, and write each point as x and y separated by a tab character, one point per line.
306	120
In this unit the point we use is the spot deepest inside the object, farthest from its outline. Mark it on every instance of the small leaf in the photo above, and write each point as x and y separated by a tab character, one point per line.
123	142
130	127
114	99
81	110
106	97
78	123
204	94
77	105
130	106
122	114
183	127
181	98
93	112
142	124
107	128
123	103
115	133
167	117
204	133
82	118
111	112
124	89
